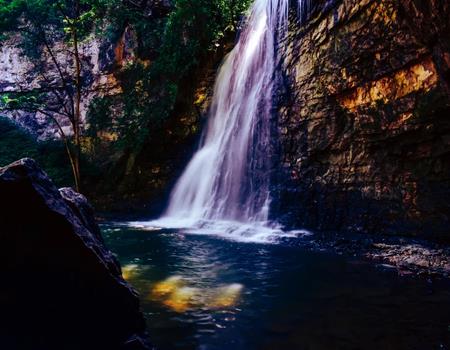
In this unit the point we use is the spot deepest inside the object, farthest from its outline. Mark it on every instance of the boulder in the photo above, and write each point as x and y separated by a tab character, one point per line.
62	288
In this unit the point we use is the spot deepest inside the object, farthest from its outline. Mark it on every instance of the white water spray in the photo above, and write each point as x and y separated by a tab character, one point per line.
225	188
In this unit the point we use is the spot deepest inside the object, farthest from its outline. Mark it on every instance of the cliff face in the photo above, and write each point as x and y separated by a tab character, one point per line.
363	120
364	126
20	74
103	56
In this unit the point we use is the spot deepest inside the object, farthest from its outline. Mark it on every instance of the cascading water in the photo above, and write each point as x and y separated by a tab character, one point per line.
226	186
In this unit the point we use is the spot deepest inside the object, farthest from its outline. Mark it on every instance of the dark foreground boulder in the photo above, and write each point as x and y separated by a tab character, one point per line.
61	288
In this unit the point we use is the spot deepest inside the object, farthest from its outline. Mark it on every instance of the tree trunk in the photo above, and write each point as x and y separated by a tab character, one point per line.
74	163
77	114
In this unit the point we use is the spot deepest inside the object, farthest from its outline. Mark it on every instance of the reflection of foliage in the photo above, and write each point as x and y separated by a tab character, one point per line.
15	143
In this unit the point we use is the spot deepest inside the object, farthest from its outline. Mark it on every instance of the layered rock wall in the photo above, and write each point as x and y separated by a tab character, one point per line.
19	74
365	123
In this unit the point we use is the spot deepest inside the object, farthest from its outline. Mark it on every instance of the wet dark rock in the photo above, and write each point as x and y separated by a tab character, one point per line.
82	208
364	125
62	288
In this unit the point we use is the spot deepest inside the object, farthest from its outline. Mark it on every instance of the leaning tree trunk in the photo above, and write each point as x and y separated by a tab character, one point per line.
77	114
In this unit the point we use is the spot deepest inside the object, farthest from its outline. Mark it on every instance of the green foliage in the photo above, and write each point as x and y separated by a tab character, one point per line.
16	143
119	14
42	22
27	101
193	29
100	110
171	48
9	14
182	41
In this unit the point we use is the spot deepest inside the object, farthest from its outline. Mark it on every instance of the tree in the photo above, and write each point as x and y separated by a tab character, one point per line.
176	44
192	31
50	31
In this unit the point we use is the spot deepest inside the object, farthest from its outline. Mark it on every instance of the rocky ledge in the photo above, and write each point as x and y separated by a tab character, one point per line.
413	257
408	256
62	288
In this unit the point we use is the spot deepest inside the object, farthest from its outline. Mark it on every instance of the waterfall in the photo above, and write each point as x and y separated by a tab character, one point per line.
226	185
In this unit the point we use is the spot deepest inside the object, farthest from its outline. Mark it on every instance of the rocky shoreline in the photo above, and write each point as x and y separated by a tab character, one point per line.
409	256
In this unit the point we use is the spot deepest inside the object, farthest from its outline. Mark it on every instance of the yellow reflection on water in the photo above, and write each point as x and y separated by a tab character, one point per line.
181	299
166	287
175	293
226	296
129	271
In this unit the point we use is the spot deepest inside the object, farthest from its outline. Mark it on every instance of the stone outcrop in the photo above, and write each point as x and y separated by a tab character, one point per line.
20	74
62	288
364	125
407	255
102	58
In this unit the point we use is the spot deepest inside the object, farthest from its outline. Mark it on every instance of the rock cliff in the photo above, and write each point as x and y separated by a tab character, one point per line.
20	74
364	125
103	55
62	288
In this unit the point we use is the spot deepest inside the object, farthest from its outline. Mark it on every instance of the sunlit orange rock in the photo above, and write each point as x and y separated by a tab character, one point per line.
419	77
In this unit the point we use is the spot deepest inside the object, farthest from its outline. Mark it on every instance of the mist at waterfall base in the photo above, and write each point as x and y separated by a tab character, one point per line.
225	188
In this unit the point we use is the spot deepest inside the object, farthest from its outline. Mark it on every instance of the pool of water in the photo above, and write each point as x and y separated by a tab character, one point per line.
205	292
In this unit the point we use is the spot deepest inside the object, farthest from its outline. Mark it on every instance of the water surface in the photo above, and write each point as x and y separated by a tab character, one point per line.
206	292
